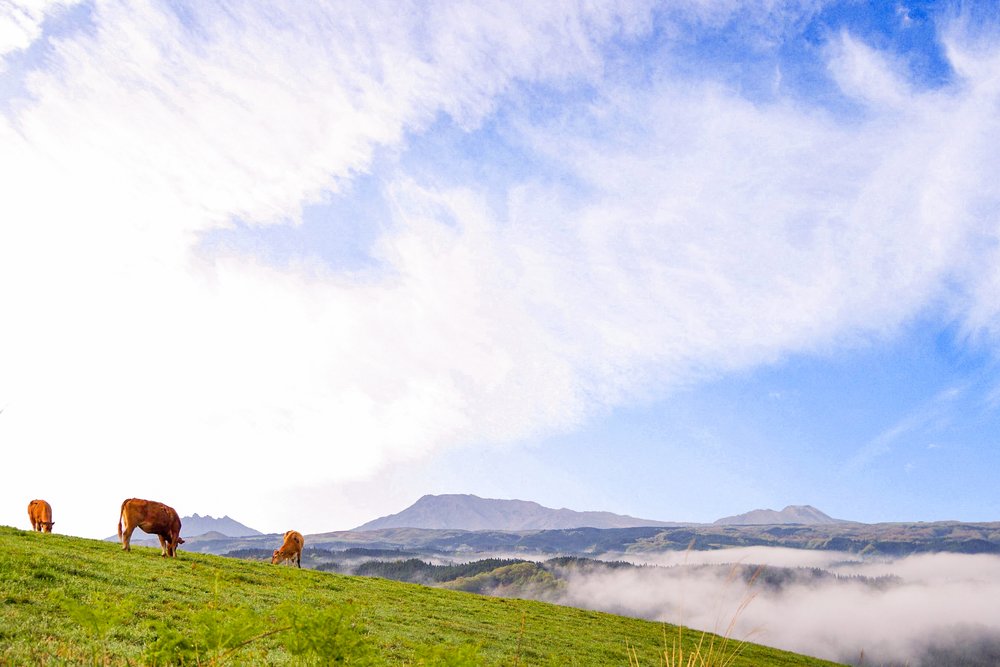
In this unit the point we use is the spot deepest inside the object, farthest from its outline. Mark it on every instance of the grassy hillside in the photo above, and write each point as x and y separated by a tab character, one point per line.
71	600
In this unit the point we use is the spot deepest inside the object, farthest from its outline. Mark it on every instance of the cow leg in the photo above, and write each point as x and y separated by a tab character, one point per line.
298	559
127	537
163	546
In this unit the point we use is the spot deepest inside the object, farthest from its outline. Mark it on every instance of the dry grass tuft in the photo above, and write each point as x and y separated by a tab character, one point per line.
720	651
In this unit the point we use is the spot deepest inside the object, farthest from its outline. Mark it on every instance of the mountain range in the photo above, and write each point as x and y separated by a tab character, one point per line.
462	511
469	512
798	514
466	524
195	525
490	526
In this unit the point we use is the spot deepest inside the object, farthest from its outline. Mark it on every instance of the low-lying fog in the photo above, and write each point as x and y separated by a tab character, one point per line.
940	609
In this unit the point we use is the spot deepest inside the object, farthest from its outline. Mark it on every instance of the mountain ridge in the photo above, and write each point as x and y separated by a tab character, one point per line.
461	511
195	525
791	514
886	539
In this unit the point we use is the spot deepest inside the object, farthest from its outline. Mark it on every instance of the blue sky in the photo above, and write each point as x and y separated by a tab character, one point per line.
676	260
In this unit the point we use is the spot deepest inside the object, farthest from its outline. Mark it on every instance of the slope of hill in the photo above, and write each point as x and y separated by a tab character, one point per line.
468	512
194	525
99	605
804	514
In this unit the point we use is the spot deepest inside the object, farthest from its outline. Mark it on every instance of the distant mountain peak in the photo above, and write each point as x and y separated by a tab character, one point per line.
195	525
464	511
800	514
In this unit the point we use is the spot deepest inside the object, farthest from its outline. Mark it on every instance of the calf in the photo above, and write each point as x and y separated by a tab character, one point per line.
40	515
154	518
291	549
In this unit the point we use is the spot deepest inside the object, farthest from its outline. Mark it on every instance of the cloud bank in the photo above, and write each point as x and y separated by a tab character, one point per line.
940	609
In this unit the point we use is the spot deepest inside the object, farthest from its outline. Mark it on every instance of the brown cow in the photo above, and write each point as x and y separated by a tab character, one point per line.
291	549
154	518
40	515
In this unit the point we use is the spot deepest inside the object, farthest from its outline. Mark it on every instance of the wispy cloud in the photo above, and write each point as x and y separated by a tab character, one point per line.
21	22
931	415
157	126
668	229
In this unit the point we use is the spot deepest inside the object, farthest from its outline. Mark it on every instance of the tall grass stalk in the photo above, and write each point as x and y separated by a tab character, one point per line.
721	650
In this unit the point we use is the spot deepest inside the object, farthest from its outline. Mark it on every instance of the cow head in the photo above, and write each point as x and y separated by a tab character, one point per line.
172	547
47	526
275	556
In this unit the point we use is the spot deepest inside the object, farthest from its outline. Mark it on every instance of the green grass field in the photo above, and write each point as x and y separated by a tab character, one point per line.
66	600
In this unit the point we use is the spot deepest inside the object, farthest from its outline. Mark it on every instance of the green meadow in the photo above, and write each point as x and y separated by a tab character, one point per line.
66	600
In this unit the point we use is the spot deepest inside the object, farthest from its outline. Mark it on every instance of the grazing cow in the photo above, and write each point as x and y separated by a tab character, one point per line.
291	549
40	515
154	518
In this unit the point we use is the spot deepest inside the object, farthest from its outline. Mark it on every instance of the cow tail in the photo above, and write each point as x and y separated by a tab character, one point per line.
122	512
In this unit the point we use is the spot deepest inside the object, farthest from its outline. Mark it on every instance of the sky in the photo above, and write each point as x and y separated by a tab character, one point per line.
301	265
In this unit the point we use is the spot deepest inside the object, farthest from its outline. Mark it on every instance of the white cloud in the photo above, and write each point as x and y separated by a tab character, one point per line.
936	411
725	233
150	131
868	75
708	234
21	22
